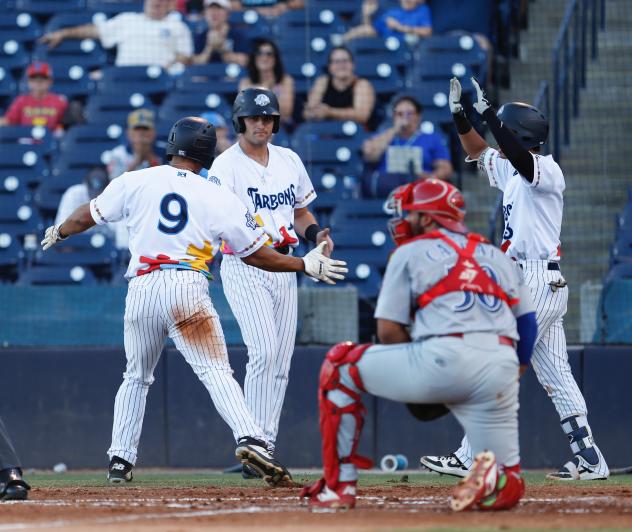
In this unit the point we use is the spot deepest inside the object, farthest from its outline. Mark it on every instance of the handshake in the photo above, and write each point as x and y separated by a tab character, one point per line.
320	267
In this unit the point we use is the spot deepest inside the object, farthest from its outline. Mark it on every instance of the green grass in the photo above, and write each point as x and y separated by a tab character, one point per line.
175	478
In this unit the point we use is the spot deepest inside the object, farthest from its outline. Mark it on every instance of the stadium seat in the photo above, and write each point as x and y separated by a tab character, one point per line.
177	105
150	80
363	274
57	275
390	51
37	138
366	210
310	21
66	20
114	7
49	193
614	324
24	163
13	56
386	79
342	8
439	67
114	108
474	17
86	53
304	71
84	249
49	7
71	80
11	256
343	156
8	87
294	43
221	78
280	138
251	22
22	27
345	131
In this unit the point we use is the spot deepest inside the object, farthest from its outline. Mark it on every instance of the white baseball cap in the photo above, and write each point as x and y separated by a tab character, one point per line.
221	3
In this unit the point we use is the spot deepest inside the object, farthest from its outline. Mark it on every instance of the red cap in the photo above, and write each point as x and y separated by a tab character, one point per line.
39	68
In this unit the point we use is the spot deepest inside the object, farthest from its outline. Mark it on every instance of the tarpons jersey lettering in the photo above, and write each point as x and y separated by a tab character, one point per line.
272	201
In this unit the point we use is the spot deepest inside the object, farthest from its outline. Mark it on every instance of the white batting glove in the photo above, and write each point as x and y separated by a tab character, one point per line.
482	103
322	268
454	99
51	237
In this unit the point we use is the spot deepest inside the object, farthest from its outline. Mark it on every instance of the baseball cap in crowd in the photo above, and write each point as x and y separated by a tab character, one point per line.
96	180
141	118
221	3
39	68
215	119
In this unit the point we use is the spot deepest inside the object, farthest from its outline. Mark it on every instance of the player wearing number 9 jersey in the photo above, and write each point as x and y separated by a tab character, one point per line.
177	221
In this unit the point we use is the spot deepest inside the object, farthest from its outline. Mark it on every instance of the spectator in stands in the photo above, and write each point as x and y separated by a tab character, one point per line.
224	138
265	69
412	18
402	152
220	43
39	107
152	37
340	95
138	153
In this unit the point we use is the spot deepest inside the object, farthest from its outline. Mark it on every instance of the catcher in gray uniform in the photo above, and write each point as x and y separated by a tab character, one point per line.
451	310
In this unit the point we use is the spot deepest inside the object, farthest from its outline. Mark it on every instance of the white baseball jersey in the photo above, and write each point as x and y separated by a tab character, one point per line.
176	219
270	192
532	211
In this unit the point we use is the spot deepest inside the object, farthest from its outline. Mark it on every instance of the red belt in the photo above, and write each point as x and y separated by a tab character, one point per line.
502	340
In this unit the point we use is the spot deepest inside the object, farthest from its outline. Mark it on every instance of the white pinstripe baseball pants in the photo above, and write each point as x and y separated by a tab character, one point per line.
550	357
265	305
175	304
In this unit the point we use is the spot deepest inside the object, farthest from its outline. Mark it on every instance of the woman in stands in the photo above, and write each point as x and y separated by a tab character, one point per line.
340	94
265	69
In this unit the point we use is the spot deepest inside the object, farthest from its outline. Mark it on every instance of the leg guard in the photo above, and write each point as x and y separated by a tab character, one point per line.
330	414
509	490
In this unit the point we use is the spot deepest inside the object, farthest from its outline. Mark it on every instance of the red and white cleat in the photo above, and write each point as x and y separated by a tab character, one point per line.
479	483
343	497
508	492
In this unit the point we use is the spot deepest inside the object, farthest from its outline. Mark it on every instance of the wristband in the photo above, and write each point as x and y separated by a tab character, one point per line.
311	232
461	122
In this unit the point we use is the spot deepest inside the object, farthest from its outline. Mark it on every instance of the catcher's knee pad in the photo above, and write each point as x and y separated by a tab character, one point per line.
509	490
342	354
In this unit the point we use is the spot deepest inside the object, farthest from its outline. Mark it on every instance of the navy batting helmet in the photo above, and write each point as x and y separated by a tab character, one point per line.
526	122
194	138
255	101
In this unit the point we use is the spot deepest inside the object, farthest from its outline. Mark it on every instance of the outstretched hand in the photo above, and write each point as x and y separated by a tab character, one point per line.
322	268
482	102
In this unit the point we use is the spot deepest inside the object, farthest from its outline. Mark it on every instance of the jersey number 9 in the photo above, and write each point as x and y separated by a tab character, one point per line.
173	209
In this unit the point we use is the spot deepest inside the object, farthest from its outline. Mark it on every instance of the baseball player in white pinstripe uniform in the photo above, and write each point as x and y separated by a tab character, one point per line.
177	221
533	187
273	183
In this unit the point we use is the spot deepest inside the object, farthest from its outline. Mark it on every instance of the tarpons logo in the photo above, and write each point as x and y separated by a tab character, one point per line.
272	201
262	100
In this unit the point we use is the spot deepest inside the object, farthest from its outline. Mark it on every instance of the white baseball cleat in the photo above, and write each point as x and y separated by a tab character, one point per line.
445	465
580	469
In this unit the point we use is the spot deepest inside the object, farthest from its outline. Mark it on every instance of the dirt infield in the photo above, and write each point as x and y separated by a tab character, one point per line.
399	506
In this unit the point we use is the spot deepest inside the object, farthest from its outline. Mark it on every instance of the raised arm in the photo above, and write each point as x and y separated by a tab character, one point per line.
85	31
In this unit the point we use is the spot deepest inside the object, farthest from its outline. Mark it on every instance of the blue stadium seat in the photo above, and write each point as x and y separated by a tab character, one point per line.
614	324
459	41
365	210
251	22
343	156
13	56
114	7
177	105
114	108
474	17
14	208
85	249
295	43
56	275
90	133
11	256
85	155
71	80
345	131
473	60
49	7
150	80
310	21
619	271
342	8
8	87
438	67
24	163
21	27
49	193
304	71
280	138
37	138
86	53
389	51
67	20
386	79
13	185
221	78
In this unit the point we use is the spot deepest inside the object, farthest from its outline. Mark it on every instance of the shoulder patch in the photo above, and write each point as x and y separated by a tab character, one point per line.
214	179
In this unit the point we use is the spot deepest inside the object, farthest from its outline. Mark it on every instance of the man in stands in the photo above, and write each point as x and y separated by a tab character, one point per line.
39	107
152	37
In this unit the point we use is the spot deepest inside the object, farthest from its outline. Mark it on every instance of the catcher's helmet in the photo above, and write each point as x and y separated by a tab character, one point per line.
255	101
438	199
194	138
526	122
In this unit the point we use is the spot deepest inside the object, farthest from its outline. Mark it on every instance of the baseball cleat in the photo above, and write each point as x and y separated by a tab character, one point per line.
253	453
248	472
508	492
343	497
445	465
12	486
119	471
580	469
479	483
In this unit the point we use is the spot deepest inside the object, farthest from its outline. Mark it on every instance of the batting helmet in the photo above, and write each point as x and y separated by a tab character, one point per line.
255	101
194	138
526	122
438	199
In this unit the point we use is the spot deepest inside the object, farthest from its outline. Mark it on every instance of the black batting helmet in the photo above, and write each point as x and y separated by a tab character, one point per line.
194	138
255	101
526	122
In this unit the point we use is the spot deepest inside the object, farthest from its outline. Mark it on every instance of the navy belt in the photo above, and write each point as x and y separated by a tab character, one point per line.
553	266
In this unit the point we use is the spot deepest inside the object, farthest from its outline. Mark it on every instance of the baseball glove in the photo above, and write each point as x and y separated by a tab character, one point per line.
427	412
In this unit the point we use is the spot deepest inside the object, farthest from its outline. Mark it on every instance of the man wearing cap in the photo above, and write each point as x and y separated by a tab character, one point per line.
220	43
39	107
138	152
224	139
152	37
